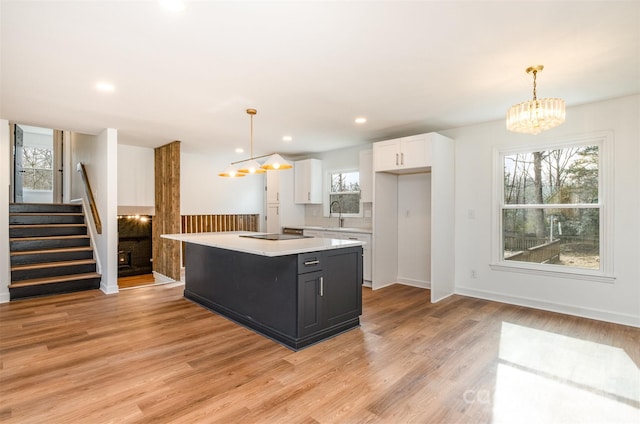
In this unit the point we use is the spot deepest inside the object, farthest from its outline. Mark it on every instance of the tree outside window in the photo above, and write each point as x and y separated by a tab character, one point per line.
551	207
37	164
345	192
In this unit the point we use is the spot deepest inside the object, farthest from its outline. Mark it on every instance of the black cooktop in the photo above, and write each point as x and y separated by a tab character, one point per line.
274	236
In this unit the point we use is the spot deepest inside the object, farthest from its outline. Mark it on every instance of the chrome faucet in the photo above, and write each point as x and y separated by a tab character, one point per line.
340	218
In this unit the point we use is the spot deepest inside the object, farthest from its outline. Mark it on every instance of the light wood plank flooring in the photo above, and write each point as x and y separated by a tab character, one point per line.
136	281
150	356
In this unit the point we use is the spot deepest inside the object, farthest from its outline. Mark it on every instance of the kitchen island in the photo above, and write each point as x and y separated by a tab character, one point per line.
296	291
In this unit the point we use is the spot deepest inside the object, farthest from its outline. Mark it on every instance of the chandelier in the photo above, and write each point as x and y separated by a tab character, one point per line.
537	115
251	165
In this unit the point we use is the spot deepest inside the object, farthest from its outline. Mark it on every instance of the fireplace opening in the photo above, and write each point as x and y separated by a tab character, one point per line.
134	245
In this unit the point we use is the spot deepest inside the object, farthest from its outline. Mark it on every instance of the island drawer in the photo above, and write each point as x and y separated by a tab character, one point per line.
309	262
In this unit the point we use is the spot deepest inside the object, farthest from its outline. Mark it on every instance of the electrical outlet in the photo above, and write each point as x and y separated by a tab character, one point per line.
473	274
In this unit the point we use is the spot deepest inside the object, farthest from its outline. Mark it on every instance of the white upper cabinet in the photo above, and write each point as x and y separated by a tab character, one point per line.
308	181
404	154
366	176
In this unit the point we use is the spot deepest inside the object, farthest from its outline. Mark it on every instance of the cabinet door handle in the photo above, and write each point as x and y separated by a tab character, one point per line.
308	195
352	238
397	159
401	158
309	263
278	196
321	286
277	210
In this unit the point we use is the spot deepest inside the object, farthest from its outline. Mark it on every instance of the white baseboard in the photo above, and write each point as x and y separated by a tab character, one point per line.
414	283
597	314
161	278
106	289
4	298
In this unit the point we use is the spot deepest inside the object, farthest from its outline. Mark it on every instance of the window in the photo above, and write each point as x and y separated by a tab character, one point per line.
552	202
344	193
37	164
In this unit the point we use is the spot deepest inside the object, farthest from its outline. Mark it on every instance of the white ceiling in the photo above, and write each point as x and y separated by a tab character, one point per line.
309	68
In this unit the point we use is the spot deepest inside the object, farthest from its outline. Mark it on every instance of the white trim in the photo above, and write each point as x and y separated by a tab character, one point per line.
604	140
414	283
6	156
161	278
579	311
326	195
562	272
88	218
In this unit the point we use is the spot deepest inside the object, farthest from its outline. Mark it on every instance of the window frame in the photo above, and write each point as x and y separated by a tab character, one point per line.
327	194
604	141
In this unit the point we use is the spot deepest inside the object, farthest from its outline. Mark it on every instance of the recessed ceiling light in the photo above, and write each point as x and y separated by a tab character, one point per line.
287	138
105	87
239	150
360	120
172	5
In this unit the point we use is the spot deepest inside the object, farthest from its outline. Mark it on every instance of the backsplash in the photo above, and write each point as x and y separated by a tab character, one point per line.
313	217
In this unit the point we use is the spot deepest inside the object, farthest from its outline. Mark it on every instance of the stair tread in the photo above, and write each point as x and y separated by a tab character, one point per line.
49	280
49	237
54	250
53	264
46	225
46	213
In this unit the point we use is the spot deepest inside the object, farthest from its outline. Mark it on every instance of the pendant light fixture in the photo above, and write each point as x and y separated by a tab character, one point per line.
231	172
276	162
251	165
537	115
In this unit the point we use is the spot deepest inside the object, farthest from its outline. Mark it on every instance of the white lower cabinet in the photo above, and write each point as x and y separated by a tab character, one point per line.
343	235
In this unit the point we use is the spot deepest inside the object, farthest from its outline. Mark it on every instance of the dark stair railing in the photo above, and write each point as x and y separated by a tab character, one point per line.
50	250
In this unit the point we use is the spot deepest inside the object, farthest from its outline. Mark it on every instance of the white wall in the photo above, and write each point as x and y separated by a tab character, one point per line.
414	229
617	302
5	162
99	153
202	191
136	181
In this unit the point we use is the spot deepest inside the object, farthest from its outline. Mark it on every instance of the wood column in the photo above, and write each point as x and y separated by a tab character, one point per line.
166	253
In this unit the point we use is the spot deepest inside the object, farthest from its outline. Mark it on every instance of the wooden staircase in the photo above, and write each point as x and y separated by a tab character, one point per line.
50	250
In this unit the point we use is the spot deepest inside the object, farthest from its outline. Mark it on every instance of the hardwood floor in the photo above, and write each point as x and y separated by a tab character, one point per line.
149	355
136	281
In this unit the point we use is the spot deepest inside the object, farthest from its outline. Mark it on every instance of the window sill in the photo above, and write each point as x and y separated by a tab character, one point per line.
551	273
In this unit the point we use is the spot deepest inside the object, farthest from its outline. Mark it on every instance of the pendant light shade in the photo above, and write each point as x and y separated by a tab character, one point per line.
276	162
537	115
251	167
231	172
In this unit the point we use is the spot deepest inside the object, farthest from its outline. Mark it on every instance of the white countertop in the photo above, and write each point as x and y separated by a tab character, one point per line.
233	241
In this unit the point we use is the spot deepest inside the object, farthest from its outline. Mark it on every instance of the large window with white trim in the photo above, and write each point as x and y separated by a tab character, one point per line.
552	207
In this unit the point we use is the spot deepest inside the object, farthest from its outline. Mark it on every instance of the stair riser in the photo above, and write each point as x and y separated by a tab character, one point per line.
43	208
54	288
21	245
50	257
47	231
29	274
45	219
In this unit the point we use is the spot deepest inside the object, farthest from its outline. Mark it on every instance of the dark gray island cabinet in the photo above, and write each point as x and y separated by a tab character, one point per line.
296	292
